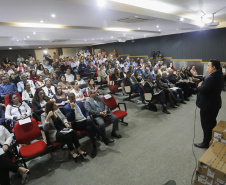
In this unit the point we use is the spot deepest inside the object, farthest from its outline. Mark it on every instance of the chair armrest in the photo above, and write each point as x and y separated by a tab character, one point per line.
124	106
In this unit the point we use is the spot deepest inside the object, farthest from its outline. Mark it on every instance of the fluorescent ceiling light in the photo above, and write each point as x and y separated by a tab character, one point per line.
37	25
157	26
151	5
34	33
10	48
53	15
39	47
117	29
101	3
41	21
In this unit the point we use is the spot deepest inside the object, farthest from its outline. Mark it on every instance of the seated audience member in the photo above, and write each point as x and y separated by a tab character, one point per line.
168	93
171	67
80	120
176	91
2	115
16	110
75	65
91	86
173	79
138	78
46	73
82	68
154	73
40	83
40	69
135	86
139	69
6	163
28	94
20	67
116	77
103	74
54	78
20	59
77	92
146	73
49	89
38	103
66	86
33	76
67	62
12	67
109	69
122	73
162	69
53	122
157	93
7	87
20	85
99	110
69	77
189	74
195	74
91	69
58	71
15	77
131	69
60	97
46	65
81	83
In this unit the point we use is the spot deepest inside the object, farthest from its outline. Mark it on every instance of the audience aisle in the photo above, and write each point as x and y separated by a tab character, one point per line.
155	148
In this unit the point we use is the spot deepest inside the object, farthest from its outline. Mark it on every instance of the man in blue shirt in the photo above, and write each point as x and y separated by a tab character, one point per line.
7	87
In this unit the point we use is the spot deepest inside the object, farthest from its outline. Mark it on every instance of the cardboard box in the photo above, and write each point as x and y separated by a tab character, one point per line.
213	162
219	131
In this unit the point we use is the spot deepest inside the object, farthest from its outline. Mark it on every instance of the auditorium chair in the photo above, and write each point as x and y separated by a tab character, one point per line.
112	105
129	92
25	134
7	98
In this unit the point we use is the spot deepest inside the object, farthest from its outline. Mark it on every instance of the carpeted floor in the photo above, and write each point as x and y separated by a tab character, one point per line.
155	148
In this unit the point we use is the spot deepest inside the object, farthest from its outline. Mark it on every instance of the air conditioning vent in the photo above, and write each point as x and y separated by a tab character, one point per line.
134	20
59	40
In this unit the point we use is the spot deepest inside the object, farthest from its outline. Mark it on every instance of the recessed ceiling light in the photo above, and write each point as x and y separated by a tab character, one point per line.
112	37
41	21
181	19
17	40
159	30
136	16
85	40
124	35
24	39
138	28
101	38
10	48
101	3
34	33
177	29
157	26
39	47
53	15
92	39
132	37
144	35
28	37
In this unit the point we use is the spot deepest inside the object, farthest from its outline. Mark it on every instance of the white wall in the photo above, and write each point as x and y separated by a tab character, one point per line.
71	51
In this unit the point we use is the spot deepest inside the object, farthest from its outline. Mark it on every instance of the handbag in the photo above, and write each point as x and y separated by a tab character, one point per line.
113	87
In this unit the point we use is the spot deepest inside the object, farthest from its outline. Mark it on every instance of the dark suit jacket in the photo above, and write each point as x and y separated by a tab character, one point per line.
209	93
172	79
148	88
70	113
38	109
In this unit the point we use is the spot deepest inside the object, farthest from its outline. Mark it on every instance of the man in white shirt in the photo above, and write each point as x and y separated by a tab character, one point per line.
20	85
69	77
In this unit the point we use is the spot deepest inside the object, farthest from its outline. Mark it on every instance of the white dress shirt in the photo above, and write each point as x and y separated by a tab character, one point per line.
14	111
70	77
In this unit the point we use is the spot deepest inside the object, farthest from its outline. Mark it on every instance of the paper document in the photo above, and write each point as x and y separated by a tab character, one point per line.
24	121
107	96
66	130
174	88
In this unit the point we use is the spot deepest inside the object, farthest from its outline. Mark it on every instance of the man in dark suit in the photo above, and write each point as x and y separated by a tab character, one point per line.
209	100
135	86
99	110
157	93
80	120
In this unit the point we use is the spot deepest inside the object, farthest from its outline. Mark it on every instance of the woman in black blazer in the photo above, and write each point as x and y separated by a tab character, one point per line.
39	102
